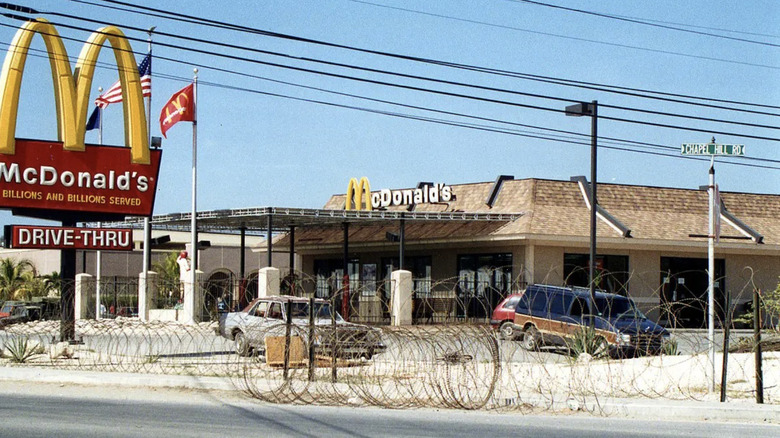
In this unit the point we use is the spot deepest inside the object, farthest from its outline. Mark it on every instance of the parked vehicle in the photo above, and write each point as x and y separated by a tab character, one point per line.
503	317
552	315
15	312
267	316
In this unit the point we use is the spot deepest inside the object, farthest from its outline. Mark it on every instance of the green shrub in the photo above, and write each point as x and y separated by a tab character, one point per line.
587	340
21	349
670	348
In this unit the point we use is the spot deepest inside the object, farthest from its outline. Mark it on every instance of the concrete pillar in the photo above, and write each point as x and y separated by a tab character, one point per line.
529	274
193	300
269	282
147	289
83	291
401	298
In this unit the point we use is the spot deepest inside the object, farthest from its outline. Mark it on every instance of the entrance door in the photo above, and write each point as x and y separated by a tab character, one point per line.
684	294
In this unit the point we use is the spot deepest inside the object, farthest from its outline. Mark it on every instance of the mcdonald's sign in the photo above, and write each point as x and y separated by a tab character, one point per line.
359	196
69	175
358	191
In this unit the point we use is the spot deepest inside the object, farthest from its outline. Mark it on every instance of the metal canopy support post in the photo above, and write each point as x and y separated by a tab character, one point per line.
292	260
401	243
269	243
241	269
242	255
345	283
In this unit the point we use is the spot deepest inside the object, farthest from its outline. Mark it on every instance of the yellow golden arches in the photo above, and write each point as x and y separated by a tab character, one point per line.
71	91
358	191
136	134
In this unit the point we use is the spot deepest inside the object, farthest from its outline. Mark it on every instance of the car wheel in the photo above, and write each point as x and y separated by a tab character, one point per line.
507	330
531	339
241	344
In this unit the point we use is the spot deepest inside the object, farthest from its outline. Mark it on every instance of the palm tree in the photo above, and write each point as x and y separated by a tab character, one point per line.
37	286
13	276
168	278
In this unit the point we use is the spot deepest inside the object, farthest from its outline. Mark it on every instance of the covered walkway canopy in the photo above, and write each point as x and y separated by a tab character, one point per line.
270	220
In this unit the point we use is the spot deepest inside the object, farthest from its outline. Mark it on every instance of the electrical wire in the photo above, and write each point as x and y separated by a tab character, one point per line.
420	89
167	14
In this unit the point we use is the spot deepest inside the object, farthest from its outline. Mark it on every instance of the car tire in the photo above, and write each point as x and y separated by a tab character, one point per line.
507	330
531	339
241	344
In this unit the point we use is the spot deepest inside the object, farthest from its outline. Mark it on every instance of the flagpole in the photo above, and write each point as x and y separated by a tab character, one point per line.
193	220
147	252
98	254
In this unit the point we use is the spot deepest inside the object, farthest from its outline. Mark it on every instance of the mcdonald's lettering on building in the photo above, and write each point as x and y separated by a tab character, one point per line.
67	174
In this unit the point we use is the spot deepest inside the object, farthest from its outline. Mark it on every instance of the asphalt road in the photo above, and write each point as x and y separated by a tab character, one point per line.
47	410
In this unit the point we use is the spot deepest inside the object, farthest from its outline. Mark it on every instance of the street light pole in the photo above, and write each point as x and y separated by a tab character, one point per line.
578	110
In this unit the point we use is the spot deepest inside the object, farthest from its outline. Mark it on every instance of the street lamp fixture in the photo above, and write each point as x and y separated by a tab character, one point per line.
579	110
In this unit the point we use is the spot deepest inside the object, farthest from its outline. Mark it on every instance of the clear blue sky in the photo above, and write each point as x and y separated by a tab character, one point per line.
256	149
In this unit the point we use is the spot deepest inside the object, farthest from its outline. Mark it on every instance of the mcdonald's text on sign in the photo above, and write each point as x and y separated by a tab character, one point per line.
712	149
359	193
40	237
42	175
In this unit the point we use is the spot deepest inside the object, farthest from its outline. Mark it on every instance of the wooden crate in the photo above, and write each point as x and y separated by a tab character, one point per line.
274	351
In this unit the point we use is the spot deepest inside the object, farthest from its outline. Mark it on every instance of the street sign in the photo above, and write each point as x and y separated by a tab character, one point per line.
712	149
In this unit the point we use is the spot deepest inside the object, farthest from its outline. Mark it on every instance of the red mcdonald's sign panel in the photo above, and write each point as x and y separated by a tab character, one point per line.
100	179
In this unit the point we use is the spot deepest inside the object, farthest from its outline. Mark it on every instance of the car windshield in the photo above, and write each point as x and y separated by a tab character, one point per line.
617	307
322	310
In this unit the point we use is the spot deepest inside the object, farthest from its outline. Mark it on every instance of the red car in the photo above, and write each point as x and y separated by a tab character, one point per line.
503	317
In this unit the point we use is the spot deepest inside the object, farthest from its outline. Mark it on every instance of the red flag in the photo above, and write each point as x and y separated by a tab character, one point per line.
180	108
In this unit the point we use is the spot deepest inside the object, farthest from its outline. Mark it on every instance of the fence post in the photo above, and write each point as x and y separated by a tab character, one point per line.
401	297
147	290
268	282
193	299
82	295
311	339
757	346
287	332
726	334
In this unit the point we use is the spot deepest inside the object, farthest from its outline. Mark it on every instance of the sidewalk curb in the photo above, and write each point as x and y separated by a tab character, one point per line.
742	411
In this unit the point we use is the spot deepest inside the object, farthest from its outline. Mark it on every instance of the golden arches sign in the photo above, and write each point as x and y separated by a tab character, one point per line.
358	191
72	89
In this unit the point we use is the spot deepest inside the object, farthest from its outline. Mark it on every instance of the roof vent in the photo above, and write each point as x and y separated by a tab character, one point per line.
491	199
600	212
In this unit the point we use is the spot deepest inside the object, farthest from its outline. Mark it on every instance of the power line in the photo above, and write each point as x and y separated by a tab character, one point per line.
166	14
428	90
555	35
644	22
605	142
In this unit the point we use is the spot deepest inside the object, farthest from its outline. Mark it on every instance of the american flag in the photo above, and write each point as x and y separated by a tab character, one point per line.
114	94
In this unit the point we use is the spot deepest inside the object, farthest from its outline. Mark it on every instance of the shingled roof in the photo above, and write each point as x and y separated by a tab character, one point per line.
557	208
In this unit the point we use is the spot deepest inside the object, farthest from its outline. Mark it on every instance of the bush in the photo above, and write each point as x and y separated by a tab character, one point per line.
21	349
587	341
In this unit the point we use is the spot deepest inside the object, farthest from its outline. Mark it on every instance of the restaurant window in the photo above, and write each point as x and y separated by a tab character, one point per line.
419	266
611	272
483	281
330	276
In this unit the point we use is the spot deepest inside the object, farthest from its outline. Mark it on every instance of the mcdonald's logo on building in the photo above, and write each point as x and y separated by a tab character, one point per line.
360	193
69	175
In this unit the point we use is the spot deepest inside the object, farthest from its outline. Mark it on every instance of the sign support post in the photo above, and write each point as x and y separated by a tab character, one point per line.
712	149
